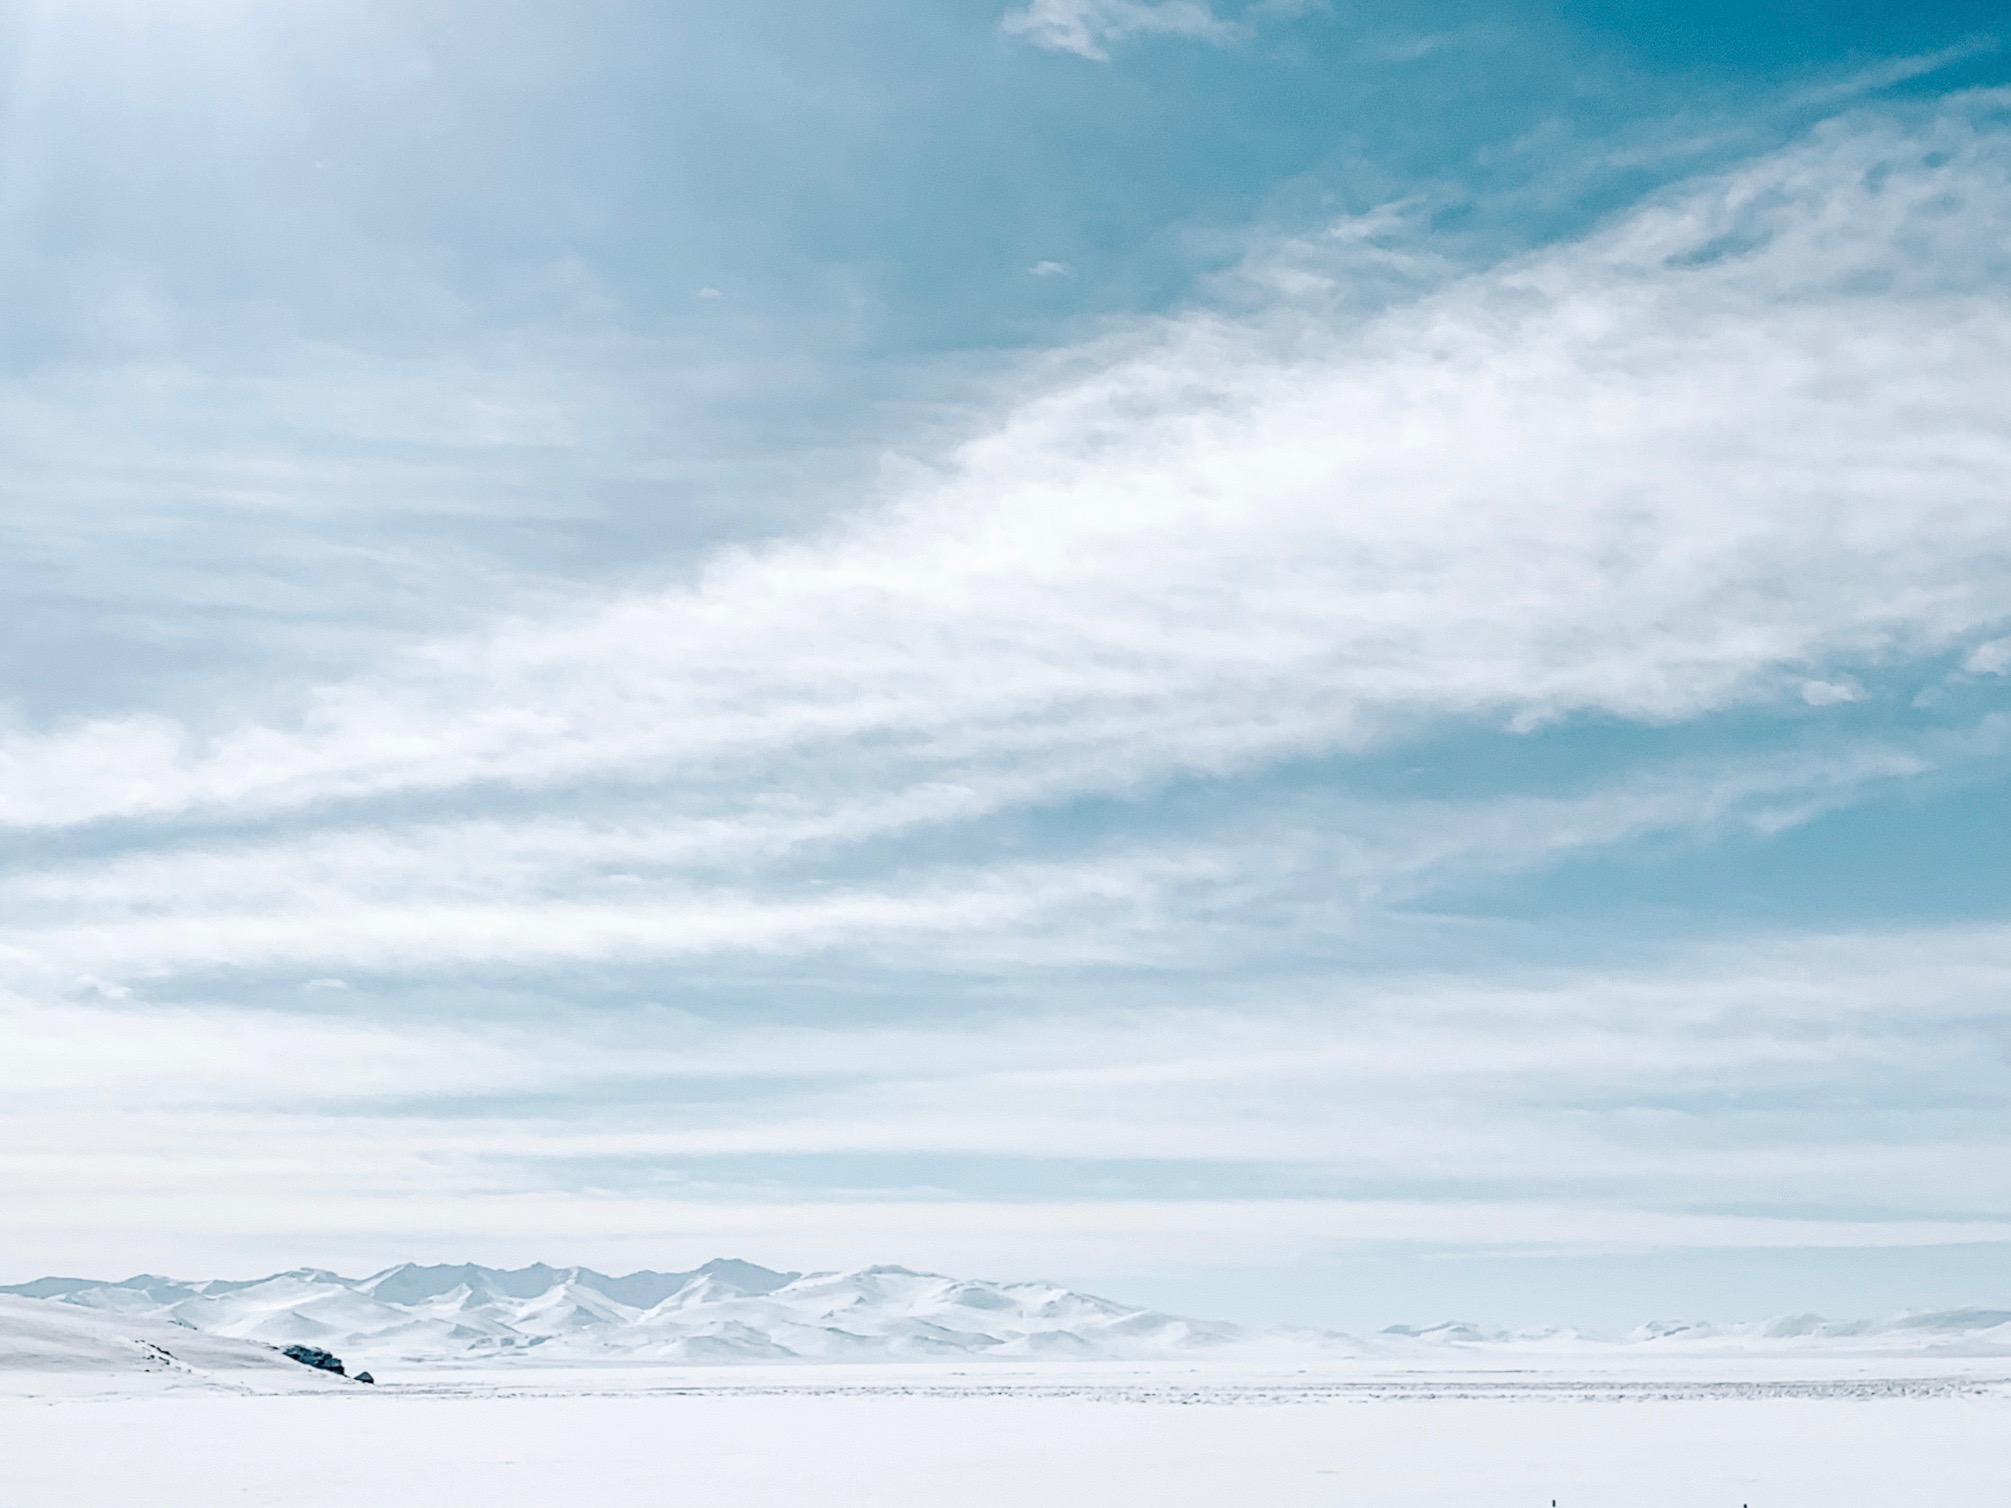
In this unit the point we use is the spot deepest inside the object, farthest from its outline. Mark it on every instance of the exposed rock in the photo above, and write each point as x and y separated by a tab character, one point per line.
365	1377
314	1356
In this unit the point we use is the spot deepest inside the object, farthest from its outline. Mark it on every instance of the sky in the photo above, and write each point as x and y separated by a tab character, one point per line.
1341	663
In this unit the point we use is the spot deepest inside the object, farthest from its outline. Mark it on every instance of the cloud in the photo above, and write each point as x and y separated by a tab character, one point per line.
1831	693
1842	1084
1737	443
1891	72
1993	658
633	883
1087	27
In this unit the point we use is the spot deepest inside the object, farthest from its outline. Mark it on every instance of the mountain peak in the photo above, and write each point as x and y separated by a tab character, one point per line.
411	1283
746	1277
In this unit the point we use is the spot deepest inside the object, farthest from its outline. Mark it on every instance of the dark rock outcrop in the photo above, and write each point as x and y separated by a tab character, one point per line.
365	1377
314	1356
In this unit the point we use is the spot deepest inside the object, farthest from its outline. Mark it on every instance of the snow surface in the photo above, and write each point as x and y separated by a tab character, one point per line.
100	1409
1031	1435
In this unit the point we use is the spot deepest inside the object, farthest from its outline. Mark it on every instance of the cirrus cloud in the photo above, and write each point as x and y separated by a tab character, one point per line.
1742	443
1087	27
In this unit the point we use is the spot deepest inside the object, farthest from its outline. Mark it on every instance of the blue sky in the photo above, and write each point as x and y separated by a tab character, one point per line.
1340	662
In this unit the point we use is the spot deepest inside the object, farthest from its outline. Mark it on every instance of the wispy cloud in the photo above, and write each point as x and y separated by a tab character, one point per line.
1891	72
1736	445
1088	28
1658	1105
636	883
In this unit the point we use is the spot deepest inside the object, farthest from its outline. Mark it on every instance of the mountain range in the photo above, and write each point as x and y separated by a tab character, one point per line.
727	1311
723	1311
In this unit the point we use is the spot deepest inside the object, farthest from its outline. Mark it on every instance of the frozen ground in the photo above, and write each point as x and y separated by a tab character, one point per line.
1513	1433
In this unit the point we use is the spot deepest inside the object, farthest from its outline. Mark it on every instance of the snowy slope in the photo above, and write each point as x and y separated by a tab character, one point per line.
40	1340
723	1311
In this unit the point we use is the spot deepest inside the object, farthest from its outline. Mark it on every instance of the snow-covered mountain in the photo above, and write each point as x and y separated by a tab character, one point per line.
723	1311
1965	1332
728	1311
1974	1331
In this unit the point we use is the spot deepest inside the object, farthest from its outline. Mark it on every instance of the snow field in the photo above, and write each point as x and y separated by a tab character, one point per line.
843	1447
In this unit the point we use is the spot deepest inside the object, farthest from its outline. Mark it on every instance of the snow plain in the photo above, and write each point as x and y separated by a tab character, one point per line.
99	1410
883	1437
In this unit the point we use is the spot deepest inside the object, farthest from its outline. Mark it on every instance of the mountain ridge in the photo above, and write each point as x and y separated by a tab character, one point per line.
723	1310
728	1310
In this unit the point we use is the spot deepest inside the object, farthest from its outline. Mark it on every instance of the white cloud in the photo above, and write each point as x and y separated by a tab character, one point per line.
1743	443
1894	71
1993	658
1598	1107
1740	442
647	884
1087	27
